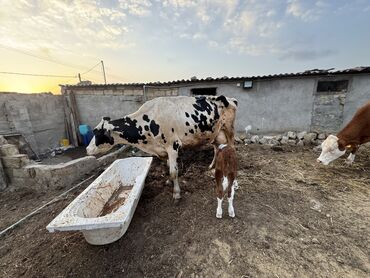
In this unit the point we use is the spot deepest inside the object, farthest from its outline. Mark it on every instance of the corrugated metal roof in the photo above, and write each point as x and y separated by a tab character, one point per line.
313	72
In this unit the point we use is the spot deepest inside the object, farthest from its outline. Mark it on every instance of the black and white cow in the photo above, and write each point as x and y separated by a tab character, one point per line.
164	125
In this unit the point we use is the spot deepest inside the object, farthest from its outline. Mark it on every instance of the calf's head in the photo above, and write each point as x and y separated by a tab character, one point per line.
103	139
331	149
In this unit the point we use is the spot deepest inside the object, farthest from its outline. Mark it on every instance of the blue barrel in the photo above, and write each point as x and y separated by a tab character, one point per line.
86	134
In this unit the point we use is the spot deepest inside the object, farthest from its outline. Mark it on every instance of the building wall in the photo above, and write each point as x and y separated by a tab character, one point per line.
38	117
271	105
279	105
95	103
357	96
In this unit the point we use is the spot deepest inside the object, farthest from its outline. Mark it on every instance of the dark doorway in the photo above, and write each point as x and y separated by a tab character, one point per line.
204	91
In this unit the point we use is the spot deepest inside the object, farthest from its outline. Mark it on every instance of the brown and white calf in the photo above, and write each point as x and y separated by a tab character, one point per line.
354	134
225	173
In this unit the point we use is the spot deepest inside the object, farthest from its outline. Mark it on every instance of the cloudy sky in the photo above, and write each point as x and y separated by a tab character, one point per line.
152	40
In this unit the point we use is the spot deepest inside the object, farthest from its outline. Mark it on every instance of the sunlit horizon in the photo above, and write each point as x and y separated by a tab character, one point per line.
149	41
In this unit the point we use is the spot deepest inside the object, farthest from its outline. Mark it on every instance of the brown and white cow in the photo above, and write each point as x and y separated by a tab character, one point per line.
225	174
164	125
355	133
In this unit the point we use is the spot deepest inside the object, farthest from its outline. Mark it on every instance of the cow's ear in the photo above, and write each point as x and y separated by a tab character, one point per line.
223	100
106	118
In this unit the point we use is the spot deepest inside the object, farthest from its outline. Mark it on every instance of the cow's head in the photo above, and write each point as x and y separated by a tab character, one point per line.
331	149
103	139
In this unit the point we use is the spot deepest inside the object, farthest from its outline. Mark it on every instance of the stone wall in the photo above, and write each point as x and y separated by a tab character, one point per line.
38	117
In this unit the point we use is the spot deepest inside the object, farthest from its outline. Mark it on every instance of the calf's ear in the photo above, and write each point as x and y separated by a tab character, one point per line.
106	118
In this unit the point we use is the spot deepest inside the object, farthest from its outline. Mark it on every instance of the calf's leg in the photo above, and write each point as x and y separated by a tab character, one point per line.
219	193
230	195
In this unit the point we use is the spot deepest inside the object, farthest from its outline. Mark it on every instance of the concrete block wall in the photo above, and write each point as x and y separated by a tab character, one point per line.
274	106
113	101
357	96
271	106
38	117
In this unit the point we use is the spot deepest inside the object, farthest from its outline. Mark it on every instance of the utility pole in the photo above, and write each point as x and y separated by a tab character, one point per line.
79	77
105	80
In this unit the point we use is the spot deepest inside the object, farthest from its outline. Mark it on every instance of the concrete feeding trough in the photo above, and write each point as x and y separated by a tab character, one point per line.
103	211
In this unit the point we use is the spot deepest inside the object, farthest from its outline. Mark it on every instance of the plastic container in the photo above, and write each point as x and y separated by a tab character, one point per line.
64	142
86	134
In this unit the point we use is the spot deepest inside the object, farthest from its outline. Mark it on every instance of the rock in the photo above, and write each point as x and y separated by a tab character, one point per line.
315	205
291	142
291	135
284	140
263	141
300	135
269	140
274	142
300	143
255	139
16	161
247	141
243	136
321	136
309	138
278	137
238	140
3	140
8	150
315	241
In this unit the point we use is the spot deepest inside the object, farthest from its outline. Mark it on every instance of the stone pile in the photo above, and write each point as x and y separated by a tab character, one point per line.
302	138
12	161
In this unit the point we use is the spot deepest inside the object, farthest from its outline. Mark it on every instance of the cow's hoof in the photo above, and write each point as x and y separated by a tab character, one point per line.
231	213
219	213
168	182
349	162
176	202
176	196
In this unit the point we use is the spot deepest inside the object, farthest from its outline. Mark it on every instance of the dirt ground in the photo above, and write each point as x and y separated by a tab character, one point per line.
294	218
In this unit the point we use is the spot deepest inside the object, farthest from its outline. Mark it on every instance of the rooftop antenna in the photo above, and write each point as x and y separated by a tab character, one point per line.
105	80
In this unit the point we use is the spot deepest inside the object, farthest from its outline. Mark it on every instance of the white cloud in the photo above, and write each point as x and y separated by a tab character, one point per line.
306	10
61	26
136	7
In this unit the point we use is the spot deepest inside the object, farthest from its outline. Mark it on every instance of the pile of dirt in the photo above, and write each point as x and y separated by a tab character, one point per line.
293	218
